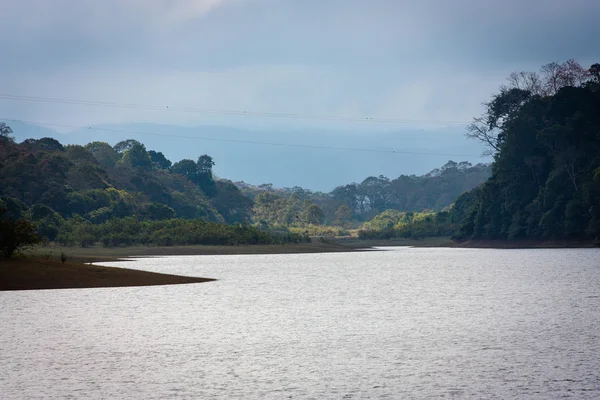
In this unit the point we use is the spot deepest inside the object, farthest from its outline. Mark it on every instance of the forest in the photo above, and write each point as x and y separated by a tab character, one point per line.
542	128
125	194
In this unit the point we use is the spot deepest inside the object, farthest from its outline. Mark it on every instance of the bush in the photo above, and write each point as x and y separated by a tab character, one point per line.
16	235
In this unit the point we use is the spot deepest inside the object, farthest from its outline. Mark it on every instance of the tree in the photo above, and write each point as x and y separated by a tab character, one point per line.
205	179
104	153
159	160
187	168
522	87
157	212
314	215
543	184
595	72
6	132
342	215
137	156
125	145
488	127
16	235
348	195
205	164
376	190
231	203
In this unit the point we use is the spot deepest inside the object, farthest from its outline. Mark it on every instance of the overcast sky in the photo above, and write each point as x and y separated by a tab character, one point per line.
426	59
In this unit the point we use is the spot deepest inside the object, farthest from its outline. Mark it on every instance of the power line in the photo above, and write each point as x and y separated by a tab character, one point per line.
239	141
222	112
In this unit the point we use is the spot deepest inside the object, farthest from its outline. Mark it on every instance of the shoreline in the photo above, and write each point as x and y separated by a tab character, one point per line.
35	274
103	254
328	245
446	242
42	269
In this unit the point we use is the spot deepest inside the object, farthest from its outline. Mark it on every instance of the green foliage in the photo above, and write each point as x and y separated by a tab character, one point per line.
47	221
131	231
16	235
544	179
156	211
77	231
320	230
199	173
104	153
159	160
231	203
6	133
343	215
136	156
13	208
125	145
313	215
393	223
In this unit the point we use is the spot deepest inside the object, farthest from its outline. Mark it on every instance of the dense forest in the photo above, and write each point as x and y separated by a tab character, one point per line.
543	129
125	194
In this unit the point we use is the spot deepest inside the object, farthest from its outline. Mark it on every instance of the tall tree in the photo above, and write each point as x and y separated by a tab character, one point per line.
6	132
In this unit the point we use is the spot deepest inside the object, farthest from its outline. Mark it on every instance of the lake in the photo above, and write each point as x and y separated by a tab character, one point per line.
399	323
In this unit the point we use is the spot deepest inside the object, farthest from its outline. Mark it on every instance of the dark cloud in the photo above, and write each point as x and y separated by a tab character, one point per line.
429	58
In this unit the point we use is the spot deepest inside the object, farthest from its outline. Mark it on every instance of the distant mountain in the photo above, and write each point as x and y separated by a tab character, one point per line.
307	157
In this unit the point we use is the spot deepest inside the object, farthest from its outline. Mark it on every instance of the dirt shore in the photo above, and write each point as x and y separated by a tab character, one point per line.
34	274
42	269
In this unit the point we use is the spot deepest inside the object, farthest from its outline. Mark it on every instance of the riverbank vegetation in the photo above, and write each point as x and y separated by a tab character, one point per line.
126	195
544	184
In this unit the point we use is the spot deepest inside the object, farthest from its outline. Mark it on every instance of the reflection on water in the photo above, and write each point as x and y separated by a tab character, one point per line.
408	323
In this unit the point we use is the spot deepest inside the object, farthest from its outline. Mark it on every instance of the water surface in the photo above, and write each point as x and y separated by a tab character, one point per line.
404	323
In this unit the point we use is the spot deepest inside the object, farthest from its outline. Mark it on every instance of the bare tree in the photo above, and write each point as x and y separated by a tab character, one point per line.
573	74
556	76
529	81
520	88
479	130
551	76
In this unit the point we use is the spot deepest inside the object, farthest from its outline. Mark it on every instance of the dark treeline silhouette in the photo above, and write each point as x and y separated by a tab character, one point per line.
544	130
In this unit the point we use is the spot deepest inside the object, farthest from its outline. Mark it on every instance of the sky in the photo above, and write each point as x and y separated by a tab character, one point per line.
427	60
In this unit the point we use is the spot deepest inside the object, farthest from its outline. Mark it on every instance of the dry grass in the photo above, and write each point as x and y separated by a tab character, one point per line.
98	253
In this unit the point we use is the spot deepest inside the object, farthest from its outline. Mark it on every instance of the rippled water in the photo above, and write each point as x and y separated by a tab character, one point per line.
404	323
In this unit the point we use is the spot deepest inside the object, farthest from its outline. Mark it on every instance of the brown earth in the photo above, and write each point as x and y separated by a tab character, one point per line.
33	273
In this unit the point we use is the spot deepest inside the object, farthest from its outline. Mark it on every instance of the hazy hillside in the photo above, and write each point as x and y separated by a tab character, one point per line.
287	166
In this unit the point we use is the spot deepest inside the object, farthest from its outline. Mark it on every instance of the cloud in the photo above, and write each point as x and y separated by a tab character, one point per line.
428	59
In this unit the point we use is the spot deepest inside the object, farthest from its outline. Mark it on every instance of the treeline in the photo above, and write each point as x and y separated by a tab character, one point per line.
543	129
409	225
121	195
352	204
100	182
21	226
64	188
131	231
